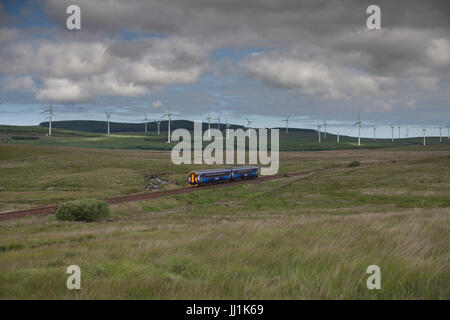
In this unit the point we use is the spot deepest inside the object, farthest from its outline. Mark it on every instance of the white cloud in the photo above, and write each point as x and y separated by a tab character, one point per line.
429	84
19	83
78	71
439	52
157	104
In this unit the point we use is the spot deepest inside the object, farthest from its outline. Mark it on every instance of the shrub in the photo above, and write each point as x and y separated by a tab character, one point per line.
83	210
353	164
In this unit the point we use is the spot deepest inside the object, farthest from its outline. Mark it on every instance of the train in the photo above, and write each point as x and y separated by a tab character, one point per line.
197	178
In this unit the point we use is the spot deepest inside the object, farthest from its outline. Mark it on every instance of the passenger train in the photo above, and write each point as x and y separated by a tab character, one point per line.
204	177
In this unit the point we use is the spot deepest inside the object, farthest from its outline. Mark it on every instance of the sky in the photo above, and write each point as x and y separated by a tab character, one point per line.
265	60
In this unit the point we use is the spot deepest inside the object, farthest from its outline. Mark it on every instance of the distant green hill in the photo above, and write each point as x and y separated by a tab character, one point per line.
120	127
92	134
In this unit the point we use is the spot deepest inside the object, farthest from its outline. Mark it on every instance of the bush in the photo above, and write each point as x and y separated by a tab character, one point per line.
83	210
353	164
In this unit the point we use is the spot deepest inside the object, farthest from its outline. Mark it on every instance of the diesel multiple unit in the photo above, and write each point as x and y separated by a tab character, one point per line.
203	177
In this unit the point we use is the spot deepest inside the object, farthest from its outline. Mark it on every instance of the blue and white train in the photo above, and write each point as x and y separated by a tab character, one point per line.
204	177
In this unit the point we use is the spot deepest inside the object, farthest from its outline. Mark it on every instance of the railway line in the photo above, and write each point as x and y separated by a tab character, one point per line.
145	196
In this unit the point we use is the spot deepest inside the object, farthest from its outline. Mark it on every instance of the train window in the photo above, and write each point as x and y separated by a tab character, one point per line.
216	174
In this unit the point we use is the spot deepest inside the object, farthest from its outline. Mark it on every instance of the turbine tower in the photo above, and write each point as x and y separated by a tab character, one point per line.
146	122
424	136
318	130
324	129
108	117
448	130
407	131
228	128
169	115
374	133
209	125
50	117
218	122
158	122
287	124
440	134
338	137
392	129
249	123
399	132
358	123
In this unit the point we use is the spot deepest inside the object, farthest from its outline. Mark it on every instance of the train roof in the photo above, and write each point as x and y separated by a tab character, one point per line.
225	169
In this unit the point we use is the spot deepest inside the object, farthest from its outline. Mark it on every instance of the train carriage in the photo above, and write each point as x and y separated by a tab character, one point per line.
203	177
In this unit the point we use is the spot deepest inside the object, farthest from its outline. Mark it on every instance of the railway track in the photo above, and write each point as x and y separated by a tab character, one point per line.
144	196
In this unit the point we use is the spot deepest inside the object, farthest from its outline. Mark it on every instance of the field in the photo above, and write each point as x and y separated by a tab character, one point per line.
295	140
301	237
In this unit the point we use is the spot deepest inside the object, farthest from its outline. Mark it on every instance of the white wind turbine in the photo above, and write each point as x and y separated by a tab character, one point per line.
218	122
392	129
108	117
249	125
448	130
374	133
169	115
318	130
50	117
146	122
209	125
358	123
324	129
228	128
399	136
424	135
159	123
287	123
440	134
338	137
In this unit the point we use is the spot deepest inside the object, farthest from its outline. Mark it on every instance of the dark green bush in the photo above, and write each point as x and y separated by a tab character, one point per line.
353	164
83	210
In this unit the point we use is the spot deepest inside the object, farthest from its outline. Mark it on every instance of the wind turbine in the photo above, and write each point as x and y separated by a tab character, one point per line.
424	136
209	125
440	134
108	117
318	130
218	122
392	129
399	132
228	128
146	122
374	133
358	123
448	130
407	131
338	137
249	123
50	116
158	122
324	129
168	114
287	124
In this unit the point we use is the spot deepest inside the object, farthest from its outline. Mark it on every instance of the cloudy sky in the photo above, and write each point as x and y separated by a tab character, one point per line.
262	59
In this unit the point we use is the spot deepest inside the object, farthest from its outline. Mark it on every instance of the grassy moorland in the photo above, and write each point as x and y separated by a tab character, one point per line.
293	238
296	140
